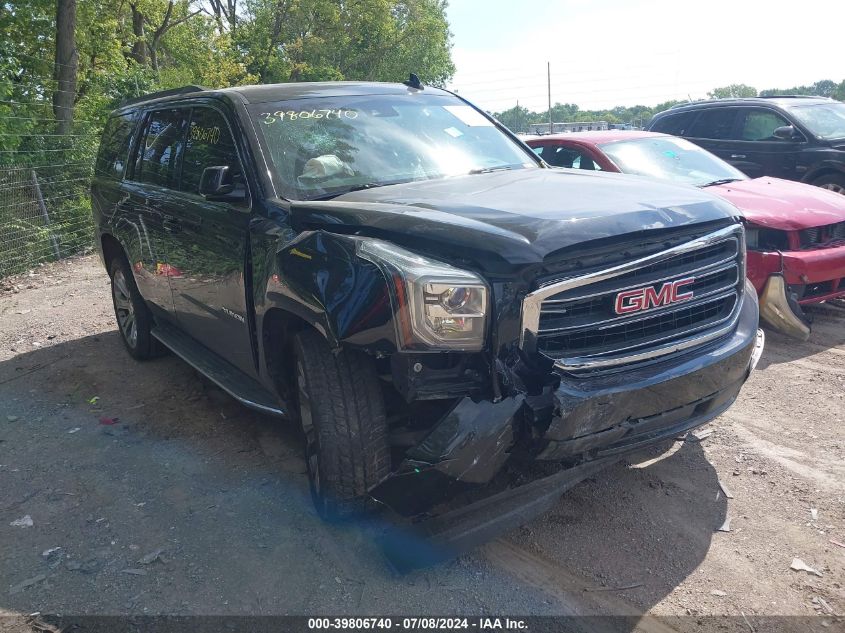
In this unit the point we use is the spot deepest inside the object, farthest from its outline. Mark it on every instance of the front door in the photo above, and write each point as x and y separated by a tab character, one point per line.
763	154
208	244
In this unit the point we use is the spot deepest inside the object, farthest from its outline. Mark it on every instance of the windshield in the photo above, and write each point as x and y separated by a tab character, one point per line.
327	146
669	158
825	120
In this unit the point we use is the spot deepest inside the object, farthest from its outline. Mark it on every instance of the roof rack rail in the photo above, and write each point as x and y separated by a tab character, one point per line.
792	97
162	93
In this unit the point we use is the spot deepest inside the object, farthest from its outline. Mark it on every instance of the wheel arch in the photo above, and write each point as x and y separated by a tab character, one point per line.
279	326
110	247
825	169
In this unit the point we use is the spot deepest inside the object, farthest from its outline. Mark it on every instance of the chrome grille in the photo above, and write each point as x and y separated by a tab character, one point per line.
574	321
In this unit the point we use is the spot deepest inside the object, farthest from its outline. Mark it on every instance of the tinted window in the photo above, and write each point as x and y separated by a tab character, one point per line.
677	124
161	147
209	144
760	125
114	148
716	123
559	156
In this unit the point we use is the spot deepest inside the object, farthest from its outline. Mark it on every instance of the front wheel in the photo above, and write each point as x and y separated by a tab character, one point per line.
831	182
341	409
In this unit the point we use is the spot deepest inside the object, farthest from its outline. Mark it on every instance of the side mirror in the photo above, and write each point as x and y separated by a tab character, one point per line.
216	181
787	133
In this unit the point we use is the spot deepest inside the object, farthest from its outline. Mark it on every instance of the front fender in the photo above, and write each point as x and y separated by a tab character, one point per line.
319	278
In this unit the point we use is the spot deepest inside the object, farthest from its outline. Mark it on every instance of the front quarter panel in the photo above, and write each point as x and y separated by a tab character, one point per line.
318	277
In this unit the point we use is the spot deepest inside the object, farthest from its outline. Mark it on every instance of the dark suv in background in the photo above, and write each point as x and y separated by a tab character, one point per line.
791	137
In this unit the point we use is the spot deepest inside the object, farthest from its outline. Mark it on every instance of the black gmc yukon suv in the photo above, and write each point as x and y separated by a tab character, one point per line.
395	271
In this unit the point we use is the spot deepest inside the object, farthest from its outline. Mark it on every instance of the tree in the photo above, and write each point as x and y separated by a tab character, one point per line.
371	40
733	91
66	64
516	119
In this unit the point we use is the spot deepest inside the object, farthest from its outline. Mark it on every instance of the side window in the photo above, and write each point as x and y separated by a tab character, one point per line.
677	124
559	156
114	147
760	125
161	147
210	144
714	123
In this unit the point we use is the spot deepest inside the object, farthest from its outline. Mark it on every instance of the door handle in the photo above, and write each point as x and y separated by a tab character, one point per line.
737	155
172	225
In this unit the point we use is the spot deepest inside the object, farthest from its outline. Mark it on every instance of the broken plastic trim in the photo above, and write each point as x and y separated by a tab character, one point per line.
781	312
451	534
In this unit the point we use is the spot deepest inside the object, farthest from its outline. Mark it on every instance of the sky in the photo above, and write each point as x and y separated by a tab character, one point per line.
614	52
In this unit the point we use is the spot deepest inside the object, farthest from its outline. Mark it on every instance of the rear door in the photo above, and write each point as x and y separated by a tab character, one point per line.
714	129
759	152
208	243
150	181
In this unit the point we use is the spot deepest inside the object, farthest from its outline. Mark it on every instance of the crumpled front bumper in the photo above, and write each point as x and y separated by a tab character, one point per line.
773	273
595	418
781	311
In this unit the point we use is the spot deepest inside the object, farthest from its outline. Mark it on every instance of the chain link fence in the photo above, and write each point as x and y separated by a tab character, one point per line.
45	210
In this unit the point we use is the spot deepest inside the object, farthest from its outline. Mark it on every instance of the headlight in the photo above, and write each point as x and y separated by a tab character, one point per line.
438	306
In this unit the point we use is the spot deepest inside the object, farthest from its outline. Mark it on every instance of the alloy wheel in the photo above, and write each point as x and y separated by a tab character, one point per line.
125	309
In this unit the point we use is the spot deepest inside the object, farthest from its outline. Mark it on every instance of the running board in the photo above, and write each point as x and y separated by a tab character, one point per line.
229	378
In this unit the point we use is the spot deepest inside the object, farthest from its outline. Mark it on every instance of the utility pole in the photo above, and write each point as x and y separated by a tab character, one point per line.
549	79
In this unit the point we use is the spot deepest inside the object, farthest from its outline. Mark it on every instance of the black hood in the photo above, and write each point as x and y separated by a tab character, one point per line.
521	215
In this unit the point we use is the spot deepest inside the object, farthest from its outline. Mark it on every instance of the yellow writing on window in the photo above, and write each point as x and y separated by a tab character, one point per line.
210	135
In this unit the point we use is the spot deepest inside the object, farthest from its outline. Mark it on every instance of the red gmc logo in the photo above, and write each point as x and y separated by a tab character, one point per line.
646	298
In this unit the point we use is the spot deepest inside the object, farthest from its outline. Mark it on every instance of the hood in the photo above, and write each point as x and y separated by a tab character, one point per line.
783	204
522	216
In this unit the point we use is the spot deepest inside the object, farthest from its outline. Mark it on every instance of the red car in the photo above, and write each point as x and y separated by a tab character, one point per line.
795	232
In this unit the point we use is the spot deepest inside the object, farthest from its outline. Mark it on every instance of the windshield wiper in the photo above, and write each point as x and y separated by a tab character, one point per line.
335	194
487	170
722	181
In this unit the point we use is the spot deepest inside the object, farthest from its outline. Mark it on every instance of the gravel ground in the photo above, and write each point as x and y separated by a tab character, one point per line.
189	503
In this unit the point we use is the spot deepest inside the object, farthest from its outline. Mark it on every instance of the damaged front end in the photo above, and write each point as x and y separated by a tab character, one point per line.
793	269
630	381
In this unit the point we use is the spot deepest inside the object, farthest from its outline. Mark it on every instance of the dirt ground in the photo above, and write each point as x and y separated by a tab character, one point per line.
191	504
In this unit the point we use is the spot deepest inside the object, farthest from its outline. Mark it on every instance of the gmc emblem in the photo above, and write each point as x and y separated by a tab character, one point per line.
646	298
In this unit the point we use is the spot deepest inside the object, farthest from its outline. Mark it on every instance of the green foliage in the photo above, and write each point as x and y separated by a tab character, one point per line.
734	91
127	48
369	40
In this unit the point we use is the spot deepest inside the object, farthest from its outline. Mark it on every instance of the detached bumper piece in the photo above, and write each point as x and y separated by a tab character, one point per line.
451	534
782	311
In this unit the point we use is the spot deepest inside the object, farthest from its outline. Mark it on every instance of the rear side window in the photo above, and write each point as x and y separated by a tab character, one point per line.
209	144
676	124
559	156
714	123
114	147
161	147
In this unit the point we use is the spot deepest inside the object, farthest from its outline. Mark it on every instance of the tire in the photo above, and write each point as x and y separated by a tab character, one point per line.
134	321
341	409
831	182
